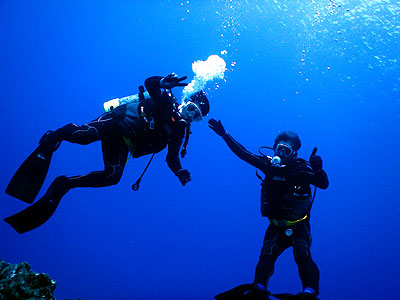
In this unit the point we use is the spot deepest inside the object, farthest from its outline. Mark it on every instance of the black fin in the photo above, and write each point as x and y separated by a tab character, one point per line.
28	179
39	212
288	296
248	291
285	296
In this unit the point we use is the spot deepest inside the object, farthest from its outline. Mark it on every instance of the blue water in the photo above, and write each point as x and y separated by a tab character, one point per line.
328	70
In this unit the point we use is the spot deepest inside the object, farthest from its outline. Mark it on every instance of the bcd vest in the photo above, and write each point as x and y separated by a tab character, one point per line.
286	192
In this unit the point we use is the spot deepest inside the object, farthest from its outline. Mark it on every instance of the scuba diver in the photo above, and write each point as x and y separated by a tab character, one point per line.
141	124
286	200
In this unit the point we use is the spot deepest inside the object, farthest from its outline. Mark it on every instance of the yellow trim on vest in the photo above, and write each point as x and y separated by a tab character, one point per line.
130	146
286	223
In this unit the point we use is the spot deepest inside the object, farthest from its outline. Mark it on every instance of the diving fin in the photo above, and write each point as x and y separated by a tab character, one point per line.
299	296
249	291
39	212
28	179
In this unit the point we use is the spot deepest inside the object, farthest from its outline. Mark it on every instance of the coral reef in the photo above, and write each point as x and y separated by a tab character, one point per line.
18	281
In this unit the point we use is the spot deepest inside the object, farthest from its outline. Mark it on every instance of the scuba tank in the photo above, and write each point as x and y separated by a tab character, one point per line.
111	104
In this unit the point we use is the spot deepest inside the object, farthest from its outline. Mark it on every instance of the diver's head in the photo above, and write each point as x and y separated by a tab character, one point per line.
286	145
195	108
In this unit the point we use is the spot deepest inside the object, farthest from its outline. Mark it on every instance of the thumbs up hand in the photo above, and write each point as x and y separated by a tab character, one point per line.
315	161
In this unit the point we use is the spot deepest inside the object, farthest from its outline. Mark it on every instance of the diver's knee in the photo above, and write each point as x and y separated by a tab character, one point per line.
67	129
269	248
301	249
84	134
113	174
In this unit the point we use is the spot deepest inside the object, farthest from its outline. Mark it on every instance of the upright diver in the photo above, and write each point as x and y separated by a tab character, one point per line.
141	124
286	200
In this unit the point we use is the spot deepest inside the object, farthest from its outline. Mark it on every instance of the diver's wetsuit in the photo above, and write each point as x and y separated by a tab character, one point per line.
126	122
285	196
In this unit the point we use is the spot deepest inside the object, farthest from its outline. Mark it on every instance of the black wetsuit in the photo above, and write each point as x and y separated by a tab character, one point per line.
285	196
127	123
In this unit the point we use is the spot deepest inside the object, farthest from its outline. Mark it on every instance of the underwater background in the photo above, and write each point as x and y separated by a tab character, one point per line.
328	70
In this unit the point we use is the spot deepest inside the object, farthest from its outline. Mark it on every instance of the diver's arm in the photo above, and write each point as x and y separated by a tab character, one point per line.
320	179
153	86
237	148
156	85
174	146
244	154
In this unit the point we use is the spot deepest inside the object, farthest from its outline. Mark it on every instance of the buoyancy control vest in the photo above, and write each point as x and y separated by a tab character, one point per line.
146	128
286	192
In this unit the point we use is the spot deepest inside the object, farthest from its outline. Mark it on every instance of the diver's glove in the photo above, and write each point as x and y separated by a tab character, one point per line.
184	176
315	161
217	127
172	80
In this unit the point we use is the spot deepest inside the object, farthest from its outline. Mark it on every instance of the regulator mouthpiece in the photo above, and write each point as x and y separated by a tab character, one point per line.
276	161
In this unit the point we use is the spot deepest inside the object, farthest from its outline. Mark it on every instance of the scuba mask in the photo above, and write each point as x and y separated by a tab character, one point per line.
191	111
284	151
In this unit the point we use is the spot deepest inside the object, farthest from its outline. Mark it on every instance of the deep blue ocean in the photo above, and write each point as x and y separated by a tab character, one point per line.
328	70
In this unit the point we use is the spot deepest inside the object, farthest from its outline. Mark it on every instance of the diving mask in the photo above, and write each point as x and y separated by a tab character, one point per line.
284	150
192	111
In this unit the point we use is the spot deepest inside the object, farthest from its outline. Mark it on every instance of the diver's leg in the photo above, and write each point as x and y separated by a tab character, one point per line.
308	270
274	244
28	180
104	126
115	153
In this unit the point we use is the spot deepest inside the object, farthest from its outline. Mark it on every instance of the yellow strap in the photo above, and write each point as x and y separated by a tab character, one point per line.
286	222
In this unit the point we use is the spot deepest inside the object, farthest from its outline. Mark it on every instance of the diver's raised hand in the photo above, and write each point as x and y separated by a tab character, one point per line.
184	176
217	127
315	161
172	80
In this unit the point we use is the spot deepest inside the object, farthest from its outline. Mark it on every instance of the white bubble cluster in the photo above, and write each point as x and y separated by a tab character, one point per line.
205	71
